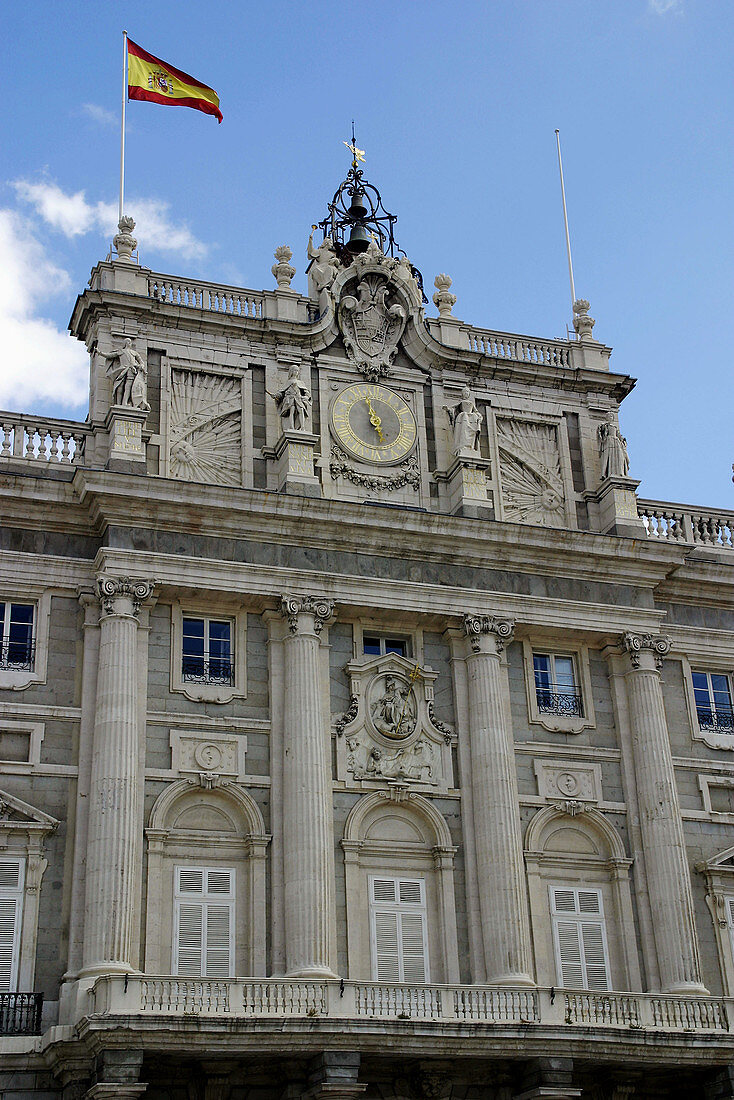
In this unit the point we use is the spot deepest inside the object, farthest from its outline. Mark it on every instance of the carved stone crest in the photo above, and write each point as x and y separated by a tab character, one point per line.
371	324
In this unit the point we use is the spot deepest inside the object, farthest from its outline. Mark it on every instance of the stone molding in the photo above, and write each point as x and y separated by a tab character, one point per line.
635	644
503	630
320	607
110	590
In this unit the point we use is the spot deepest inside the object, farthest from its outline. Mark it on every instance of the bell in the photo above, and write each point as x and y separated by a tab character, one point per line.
359	240
358	209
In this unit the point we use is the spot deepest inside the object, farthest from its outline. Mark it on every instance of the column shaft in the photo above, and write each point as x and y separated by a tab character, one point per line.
500	867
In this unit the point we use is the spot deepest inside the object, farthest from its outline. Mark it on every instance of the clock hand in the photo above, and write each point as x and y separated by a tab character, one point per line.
375	420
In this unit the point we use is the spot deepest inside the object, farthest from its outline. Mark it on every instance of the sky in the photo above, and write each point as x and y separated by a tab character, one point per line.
456	106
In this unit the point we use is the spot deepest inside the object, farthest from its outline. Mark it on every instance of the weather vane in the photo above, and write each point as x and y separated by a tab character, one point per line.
357	154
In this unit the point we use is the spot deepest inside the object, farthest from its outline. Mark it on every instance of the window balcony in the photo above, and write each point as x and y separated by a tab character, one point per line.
719	720
20	1013
216	670
18	656
566	703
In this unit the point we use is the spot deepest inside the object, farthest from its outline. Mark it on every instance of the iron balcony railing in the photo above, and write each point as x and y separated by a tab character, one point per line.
559	702
18	655
214	671
710	719
20	1013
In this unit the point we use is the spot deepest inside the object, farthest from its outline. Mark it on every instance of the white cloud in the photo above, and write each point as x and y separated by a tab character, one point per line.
665	7
74	215
100	114
39	361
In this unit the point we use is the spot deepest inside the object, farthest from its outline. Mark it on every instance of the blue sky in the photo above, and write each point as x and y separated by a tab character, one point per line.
456	106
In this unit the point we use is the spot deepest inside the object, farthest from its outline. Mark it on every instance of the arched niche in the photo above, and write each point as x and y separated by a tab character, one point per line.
403	834
581	849
190	824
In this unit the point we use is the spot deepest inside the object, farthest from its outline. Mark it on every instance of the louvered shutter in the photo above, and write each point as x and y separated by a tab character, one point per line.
11	903
399	940
580	938
204	924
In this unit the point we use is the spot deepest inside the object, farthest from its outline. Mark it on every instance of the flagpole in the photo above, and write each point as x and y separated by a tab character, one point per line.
122	128
565	220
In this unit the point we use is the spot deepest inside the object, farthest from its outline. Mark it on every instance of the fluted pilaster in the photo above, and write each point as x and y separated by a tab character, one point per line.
307	798
500	868
115	824
661	827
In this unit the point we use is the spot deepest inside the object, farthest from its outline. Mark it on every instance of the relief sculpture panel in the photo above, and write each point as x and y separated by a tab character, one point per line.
205	436
530	473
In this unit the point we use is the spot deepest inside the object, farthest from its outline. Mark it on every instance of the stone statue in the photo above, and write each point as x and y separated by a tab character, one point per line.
293	402
466	420
325	263
394	712
130	376
612	450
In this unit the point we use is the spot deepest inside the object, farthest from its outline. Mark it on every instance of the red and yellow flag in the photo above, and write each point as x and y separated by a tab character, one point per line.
150	78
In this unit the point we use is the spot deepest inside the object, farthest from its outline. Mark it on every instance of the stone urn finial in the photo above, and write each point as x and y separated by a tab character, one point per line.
581	320
283	270
443	300
123	242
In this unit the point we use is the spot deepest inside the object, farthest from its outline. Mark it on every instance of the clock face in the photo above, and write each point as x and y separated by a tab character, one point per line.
373	423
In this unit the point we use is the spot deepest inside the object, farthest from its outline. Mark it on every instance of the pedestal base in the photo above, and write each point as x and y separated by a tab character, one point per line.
125	425
618	507
467	482
294	456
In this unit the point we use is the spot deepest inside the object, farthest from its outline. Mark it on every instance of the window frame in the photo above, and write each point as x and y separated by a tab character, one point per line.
216	692
400	909
719	665
18	679
556	646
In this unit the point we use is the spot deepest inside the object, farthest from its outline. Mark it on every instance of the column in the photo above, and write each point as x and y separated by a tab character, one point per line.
500	869
661	828
114	850
308	828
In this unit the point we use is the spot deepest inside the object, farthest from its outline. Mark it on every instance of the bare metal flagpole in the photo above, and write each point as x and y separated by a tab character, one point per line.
565	221
122	130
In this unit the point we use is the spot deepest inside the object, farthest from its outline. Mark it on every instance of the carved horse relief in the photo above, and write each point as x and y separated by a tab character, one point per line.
530	473
205	428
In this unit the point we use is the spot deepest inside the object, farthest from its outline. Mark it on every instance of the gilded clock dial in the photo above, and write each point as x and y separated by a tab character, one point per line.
373	424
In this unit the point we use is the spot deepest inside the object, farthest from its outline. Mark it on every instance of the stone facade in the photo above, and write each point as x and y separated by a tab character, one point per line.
354	727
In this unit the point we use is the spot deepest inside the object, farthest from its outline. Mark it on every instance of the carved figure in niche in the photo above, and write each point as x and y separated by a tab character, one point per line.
293	402
325	263
466	420
612	450
130	378
394	712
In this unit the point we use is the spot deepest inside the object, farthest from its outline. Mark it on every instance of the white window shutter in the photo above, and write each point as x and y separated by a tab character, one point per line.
204	922
569	955
218	958
580	938
387	954
413	947
11	905
399	932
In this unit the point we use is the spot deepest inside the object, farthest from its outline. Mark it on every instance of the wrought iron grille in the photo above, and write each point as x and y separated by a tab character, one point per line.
559	702
20	1013
214	671
18	655
710	719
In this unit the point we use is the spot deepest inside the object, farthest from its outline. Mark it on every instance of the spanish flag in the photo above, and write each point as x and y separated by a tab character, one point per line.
150	78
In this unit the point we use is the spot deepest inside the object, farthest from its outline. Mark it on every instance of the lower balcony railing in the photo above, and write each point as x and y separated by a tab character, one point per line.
249	998
20	1013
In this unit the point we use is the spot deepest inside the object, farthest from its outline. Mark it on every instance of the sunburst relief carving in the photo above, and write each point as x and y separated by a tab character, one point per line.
206	424
530	472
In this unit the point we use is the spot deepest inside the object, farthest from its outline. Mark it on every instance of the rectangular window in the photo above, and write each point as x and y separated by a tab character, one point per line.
203	934
398	930
712	691
207	656
17	642
580	940
376	645
11	908
556	685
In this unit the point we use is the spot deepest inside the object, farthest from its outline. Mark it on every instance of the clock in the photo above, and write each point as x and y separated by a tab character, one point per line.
373	423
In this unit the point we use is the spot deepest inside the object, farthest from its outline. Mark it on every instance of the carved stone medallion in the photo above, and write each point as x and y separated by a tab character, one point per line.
391	706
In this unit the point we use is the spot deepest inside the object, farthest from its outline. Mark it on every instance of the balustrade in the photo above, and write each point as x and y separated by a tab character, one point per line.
20	1013
522	349
683	523
207	296
49	441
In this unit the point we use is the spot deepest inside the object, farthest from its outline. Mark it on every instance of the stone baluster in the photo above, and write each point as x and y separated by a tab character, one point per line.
500	868
308	860
115	814
661	828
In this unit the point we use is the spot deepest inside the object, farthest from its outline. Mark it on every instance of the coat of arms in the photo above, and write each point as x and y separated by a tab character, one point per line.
371	326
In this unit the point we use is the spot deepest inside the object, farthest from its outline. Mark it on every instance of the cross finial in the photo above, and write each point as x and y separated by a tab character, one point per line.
357	154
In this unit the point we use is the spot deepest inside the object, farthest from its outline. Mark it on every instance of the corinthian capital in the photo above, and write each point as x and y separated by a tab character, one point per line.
318	606
502	630
636	644
115	592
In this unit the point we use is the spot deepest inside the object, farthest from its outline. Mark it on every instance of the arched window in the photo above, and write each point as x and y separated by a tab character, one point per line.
206	883
580	902
401	912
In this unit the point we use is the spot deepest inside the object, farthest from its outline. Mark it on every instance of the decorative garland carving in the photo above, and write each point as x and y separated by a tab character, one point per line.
409	473
349	715
321	608
635	643
447	732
